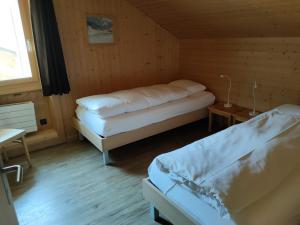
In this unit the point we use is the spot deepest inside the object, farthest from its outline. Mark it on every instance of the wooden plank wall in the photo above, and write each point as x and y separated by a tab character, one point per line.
273	62
143	54
226	18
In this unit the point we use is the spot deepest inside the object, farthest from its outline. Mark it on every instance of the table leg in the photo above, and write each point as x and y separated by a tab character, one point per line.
26	151
5	156
210	122
233	121
229	121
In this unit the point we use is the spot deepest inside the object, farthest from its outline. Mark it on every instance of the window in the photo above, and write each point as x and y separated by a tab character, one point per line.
17	56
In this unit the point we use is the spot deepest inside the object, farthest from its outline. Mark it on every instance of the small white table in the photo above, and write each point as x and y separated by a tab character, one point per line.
14	135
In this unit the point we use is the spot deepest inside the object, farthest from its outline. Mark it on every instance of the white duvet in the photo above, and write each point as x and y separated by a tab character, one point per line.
134	120
120	102
236	167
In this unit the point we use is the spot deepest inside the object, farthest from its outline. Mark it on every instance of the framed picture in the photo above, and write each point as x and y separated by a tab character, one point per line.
100	30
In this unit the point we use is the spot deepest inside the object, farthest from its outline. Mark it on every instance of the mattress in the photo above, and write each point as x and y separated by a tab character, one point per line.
185	199
129	121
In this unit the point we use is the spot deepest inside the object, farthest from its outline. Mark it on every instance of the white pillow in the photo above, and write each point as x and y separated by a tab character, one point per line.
116	103
105	105
191	86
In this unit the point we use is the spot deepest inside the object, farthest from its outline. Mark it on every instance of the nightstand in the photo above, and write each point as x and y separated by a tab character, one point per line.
219	109
242	116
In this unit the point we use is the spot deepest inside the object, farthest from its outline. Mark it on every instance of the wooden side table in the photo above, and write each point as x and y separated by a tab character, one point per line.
14	135
220	110
242	116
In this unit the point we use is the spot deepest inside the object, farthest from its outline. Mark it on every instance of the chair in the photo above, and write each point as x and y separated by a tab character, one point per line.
14	135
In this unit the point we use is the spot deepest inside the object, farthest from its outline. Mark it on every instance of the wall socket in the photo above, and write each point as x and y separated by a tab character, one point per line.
43	121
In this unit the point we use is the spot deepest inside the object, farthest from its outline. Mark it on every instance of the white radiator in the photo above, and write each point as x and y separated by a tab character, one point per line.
19	116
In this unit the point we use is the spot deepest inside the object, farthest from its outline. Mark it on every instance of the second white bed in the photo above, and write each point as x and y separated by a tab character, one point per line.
134	120
277	206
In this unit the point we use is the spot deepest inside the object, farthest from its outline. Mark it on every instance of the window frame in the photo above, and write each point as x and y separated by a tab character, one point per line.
31	83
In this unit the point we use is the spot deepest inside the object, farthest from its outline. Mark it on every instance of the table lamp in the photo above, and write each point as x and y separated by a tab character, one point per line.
253	112
227	104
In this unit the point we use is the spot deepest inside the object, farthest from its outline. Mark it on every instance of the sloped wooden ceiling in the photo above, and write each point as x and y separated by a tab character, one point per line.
225	18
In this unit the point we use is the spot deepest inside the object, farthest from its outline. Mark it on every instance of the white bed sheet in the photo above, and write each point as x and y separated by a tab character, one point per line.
134	120
185	199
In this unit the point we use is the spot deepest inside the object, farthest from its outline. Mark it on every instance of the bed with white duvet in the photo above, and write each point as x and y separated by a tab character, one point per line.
129	121
126	110
248	174
122	117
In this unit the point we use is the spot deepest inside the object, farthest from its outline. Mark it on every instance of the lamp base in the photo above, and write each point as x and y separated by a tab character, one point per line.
227	105
253	113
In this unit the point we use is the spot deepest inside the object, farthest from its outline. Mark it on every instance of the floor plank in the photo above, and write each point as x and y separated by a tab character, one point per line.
69	185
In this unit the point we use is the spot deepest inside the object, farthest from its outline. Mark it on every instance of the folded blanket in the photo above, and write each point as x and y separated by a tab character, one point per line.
237	166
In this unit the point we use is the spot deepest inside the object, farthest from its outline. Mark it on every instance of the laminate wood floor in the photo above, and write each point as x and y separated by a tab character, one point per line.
69	185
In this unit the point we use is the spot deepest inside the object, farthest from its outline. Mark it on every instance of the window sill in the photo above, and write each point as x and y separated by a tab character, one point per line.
20	87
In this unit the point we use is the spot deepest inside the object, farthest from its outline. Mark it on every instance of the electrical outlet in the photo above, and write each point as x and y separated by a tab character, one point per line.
43	121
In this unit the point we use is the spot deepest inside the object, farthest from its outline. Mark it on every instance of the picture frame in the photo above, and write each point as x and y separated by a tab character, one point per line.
100	29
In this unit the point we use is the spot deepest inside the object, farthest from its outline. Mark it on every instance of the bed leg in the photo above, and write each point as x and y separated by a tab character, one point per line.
105	158
80	137
154	213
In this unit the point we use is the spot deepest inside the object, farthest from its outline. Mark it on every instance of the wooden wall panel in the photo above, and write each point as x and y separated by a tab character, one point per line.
273	62
143	53
226	18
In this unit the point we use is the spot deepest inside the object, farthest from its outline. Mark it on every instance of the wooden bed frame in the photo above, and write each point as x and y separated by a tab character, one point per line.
105	144
161	204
